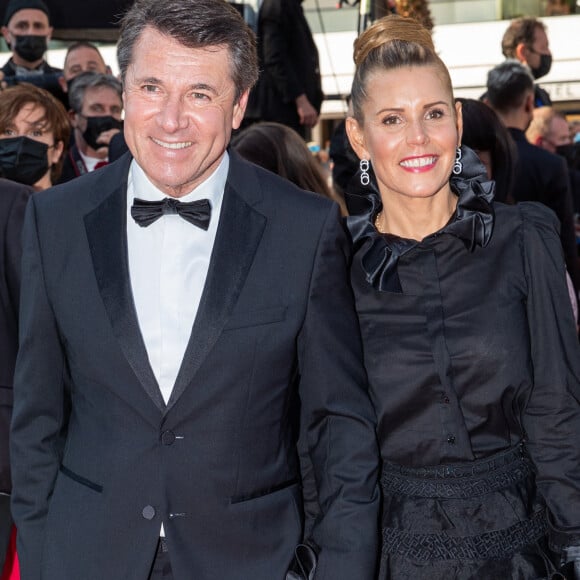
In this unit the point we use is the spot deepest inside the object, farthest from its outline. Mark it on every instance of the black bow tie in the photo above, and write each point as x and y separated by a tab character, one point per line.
146	212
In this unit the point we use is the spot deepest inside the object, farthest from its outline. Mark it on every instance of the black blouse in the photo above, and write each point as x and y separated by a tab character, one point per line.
469	339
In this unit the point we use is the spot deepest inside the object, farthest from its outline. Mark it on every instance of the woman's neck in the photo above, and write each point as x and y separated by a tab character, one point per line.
43	183
415	218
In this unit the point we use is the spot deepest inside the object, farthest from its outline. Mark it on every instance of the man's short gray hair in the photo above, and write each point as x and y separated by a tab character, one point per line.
195	24
90	80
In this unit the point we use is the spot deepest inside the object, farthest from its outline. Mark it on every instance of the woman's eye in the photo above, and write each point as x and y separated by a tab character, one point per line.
435	114
391	120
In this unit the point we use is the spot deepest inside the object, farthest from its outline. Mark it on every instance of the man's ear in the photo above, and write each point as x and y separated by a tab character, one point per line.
6	35
521	53
529	103
240	109
356	137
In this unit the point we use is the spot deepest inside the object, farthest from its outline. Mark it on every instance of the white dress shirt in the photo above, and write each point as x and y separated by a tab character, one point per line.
168	264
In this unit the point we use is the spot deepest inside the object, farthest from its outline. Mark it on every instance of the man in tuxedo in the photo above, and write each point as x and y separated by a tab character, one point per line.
185	315
13	199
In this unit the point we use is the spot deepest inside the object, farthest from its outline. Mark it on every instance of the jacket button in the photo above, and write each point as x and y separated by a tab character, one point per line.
167	437
451	439
148	512
446	400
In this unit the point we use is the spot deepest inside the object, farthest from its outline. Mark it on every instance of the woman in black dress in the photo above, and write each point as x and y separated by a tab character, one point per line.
469	338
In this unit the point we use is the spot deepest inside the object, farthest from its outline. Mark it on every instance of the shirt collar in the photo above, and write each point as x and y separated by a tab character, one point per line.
212	188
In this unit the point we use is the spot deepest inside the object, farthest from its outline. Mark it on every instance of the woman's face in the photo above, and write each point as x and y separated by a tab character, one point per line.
29	123
410	131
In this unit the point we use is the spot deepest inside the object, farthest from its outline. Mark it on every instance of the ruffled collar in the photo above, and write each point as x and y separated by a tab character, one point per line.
472	222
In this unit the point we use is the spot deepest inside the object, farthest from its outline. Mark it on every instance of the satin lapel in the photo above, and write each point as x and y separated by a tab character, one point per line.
238	236
106	231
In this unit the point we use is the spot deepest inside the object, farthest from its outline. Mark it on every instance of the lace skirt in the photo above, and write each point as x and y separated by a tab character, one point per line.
476	520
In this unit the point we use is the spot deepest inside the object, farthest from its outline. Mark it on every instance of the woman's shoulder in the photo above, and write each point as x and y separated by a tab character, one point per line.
527	215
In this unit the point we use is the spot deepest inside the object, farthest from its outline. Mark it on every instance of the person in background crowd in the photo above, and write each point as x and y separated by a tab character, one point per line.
550	130
289	90
484	132
540	175
34	131
81	57
280	149
96	110
468	336
186	315
526	40
13	199
26	30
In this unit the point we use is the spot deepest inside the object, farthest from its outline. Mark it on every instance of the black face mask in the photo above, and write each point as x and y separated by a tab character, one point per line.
98	125
29	47
22	159
571	153
544	67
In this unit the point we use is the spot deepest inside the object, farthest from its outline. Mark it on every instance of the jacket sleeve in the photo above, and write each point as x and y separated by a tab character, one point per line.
338	421
563	204
39	403
552	414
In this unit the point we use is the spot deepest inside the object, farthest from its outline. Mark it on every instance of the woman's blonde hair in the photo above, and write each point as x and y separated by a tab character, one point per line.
390	43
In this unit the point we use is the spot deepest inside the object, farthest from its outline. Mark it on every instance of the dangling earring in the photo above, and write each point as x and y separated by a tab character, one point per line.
364	169
457	166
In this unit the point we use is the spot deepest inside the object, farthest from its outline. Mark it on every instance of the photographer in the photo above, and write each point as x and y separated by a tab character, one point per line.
26	30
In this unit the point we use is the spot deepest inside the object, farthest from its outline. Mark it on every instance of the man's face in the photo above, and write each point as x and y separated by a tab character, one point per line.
28	21
559	135
539	47
83	59
97	102
180	110
102	101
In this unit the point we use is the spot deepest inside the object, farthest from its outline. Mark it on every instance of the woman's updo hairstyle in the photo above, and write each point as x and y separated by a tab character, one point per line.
390	43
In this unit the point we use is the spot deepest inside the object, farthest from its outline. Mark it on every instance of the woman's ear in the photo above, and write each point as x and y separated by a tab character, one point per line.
56	152
459	120
356	137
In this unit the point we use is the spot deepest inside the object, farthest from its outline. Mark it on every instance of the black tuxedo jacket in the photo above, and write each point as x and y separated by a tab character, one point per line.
544	177
13	199
99	461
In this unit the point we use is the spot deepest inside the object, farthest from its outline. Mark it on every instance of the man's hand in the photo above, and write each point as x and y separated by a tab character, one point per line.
306	112
104	140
